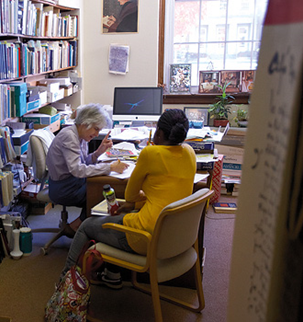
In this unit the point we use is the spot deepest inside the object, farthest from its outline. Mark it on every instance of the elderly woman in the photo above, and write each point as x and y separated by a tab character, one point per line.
164	173
69	163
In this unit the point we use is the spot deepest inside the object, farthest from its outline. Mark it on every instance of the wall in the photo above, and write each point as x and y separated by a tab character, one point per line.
98	84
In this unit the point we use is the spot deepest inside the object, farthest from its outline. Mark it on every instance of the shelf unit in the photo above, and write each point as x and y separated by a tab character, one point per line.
52	38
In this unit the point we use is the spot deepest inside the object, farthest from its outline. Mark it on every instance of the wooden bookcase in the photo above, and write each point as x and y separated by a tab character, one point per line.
43	43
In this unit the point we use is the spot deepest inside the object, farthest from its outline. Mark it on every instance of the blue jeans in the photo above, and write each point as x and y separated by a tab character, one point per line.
90	229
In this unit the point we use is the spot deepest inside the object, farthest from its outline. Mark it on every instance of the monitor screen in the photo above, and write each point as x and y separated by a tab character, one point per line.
137	103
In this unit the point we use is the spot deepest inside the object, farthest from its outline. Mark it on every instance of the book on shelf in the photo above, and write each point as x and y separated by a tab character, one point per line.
39	13
19	107
49	11
101	208
225	207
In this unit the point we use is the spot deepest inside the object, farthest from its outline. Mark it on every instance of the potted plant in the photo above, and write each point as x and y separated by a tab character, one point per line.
219	111
242	117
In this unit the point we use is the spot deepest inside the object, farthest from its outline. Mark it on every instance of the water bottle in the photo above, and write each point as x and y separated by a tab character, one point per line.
26	240
110	196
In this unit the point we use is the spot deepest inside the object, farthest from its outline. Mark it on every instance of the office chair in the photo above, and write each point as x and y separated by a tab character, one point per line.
172	250
41	174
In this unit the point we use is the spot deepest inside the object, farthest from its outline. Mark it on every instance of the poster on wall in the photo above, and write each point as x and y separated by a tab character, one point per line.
118	59
119	16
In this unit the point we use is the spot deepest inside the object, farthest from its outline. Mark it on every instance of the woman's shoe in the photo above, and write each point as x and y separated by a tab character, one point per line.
102	278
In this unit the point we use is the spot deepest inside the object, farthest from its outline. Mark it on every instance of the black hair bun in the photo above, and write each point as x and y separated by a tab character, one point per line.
178	133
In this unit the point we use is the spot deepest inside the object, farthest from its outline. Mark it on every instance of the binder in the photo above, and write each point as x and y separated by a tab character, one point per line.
20	90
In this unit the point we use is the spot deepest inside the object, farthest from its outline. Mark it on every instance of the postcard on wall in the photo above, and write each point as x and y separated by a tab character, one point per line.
232	77
118	59
248	78
209	81
120	16
180	77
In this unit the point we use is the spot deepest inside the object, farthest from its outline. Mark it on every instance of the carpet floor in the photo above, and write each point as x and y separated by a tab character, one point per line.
27	284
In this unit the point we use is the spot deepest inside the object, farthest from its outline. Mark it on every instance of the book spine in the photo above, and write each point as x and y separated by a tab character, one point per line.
201	145
205	166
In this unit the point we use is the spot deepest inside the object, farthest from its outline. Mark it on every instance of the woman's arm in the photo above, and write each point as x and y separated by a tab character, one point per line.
104	145
133	191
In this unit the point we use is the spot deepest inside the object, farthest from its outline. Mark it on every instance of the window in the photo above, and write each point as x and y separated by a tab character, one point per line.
212	35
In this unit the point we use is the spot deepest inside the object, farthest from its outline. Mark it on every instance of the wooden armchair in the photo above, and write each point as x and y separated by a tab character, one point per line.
172	250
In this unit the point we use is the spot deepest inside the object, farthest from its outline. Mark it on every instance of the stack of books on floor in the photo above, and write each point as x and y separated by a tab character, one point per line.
225	207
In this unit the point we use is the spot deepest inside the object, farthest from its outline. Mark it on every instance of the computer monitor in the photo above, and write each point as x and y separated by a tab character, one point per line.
137	103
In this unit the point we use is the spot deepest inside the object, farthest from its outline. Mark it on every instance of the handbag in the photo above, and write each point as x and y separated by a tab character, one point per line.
70	300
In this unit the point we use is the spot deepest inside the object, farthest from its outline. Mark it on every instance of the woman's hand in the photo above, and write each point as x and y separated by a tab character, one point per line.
125	207
112	19
118	166
104	145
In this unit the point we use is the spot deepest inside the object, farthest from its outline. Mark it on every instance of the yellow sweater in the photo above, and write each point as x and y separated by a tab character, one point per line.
165	174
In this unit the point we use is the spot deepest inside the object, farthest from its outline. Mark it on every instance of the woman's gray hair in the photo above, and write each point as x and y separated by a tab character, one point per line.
93	114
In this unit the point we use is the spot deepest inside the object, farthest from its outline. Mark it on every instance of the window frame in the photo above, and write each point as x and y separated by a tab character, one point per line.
197	98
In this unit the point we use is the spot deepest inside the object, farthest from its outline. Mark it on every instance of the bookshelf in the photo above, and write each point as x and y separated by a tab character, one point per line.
38	40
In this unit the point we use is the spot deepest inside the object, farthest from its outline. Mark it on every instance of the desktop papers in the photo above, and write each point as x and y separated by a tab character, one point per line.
123	146
206	134
205	158
200	176
131	134
126	173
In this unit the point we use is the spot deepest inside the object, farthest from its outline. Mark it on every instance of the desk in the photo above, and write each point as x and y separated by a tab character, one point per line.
95	188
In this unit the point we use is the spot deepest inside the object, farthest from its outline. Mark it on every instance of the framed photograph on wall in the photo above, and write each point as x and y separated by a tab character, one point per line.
198	117
234	78
180	77
120	16
209	81
248	78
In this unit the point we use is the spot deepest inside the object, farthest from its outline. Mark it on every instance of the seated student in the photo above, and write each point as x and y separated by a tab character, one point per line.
164	173
69	163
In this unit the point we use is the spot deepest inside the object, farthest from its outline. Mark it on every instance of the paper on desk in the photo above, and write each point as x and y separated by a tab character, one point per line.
126	146
200	176
206	134
205	158
129	135
126	174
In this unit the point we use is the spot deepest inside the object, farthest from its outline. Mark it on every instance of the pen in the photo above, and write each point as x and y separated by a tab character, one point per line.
149	140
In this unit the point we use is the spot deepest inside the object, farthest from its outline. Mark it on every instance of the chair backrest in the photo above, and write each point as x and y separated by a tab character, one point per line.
39	158
178	224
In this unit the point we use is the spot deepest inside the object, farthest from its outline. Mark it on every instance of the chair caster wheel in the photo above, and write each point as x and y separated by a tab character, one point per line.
44	251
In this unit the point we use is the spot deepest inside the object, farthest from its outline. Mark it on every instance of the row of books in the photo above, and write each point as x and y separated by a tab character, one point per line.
19	98
21	59
7	152
12	100
6	187
35	19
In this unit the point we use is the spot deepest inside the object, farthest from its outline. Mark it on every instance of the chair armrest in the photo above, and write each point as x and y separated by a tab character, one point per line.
132	231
